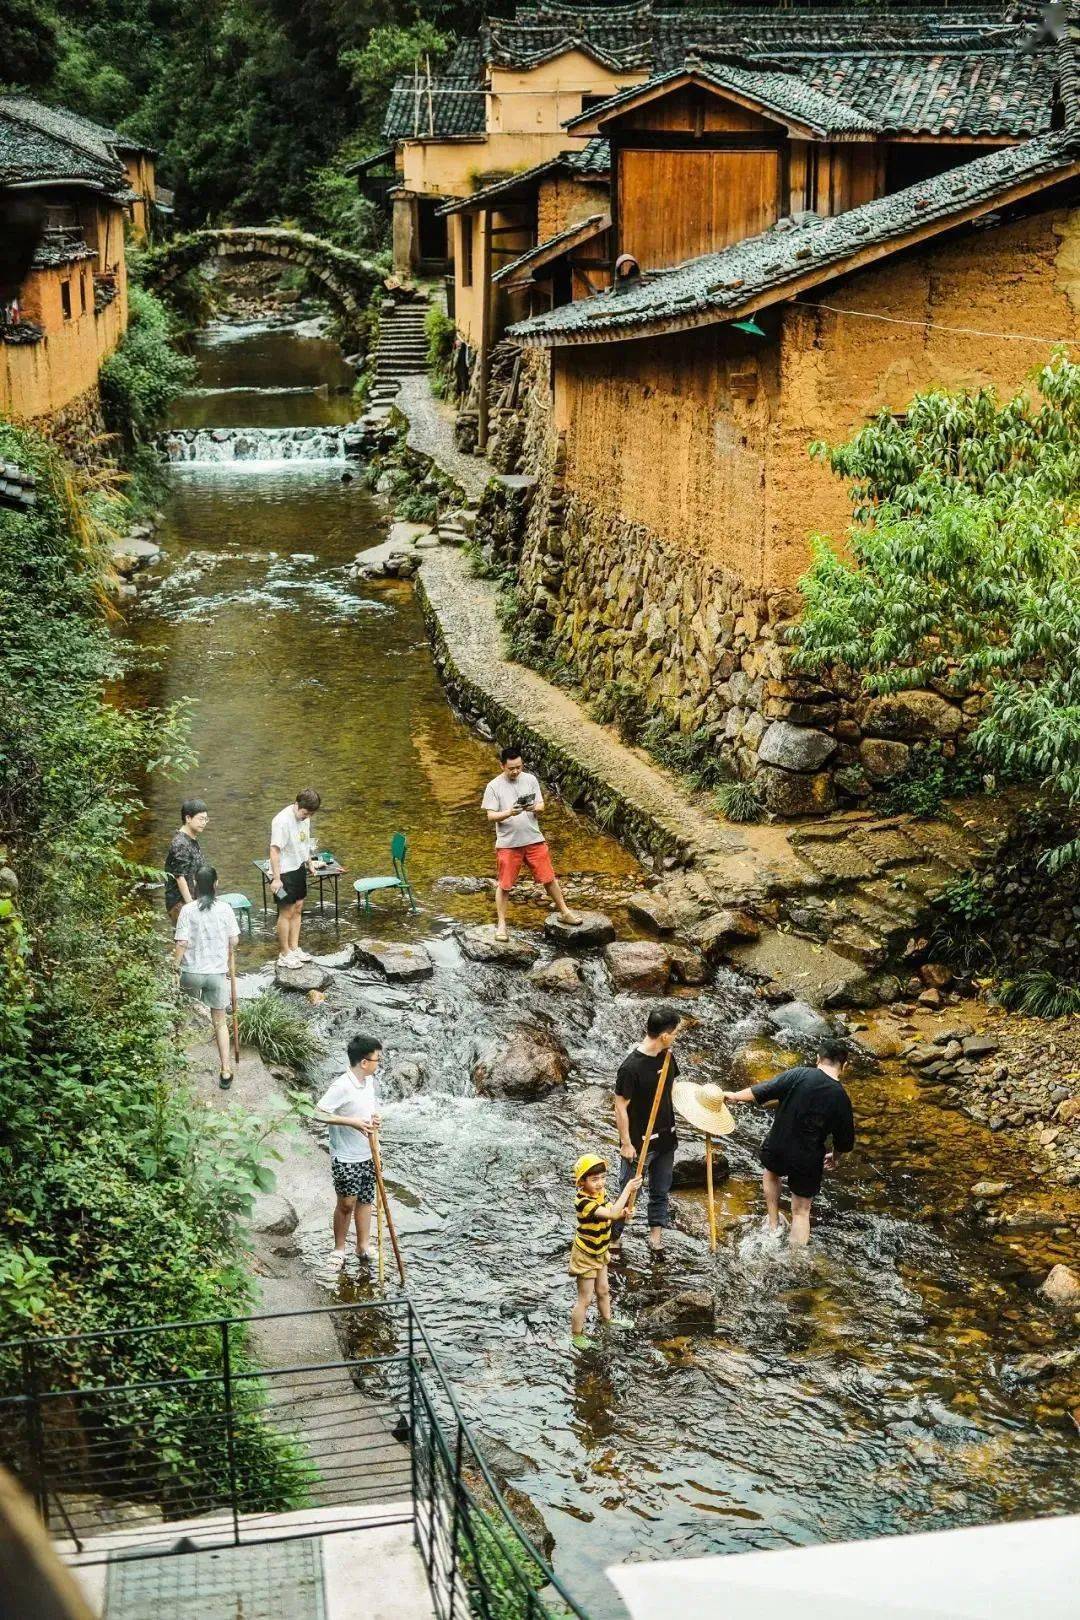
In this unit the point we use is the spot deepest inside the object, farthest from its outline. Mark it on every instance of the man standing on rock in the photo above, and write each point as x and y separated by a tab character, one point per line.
512	801
813	1107
635	1091
347	1107
290	863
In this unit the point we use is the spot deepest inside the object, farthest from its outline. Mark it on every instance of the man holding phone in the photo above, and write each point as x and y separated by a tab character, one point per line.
512	801
290	863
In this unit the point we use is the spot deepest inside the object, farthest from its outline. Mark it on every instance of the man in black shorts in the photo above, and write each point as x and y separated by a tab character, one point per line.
813	1107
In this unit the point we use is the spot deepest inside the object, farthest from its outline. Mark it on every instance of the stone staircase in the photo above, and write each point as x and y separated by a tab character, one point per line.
401	351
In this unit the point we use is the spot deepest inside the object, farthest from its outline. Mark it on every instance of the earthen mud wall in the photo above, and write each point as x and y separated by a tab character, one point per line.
675	498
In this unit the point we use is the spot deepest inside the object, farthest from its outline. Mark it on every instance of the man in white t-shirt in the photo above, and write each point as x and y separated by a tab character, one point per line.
347	1106
290	862
513	801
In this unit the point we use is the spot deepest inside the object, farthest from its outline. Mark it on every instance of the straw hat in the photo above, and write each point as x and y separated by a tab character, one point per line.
703	1107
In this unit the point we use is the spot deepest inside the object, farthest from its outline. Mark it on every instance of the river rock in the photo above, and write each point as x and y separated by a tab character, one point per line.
979	1046
689	1167
1038	1364
1062	1289
757	1060
722	928
642	965
798	1018
990	1189
562	975
272	1214
480	945
395	961
464	885
594	930
882	760
795	748
692	1311
308	976
911	716
529	1063
688	965
652	910
408	1076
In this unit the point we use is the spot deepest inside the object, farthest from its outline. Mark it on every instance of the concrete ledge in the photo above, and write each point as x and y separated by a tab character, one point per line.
593	770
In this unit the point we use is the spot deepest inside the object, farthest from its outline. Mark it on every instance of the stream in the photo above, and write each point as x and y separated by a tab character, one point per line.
860	1388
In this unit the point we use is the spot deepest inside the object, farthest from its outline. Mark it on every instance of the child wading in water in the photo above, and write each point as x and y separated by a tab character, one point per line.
589	1254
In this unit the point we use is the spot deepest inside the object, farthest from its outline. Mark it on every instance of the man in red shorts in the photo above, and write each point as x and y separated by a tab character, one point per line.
512	802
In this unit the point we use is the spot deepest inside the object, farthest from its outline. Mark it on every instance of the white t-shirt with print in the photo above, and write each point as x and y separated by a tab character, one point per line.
348	1095
206	935
293	837
516	831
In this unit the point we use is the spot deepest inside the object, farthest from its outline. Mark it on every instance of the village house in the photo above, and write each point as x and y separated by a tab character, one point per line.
70	191
831	213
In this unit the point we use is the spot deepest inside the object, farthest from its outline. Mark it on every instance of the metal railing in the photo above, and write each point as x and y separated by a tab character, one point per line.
201	1445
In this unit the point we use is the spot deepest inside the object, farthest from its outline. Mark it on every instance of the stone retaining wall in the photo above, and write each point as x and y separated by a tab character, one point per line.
627	614
79	430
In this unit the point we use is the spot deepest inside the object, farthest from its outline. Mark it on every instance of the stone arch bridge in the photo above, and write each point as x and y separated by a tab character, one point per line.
346	278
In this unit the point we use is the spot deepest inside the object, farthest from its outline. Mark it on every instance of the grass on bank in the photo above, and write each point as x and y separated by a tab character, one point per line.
121	1194
278	1031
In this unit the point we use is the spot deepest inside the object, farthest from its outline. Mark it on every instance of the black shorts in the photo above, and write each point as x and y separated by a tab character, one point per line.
804	1180
295	884
354	1179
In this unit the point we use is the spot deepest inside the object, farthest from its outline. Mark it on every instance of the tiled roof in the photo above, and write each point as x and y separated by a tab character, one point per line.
593	161
36	144
456	107
16	487
50	254
583	230
717	286
785	94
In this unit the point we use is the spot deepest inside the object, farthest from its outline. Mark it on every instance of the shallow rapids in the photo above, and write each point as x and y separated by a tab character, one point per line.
859	1389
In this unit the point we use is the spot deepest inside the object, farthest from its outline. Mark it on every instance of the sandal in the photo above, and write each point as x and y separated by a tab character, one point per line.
336	1260
225	1081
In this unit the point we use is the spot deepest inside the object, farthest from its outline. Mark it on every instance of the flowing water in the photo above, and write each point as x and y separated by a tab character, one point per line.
861	1388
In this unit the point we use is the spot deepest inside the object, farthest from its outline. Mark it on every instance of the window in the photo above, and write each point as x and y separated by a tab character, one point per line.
65	299
466	249
82	293
588	101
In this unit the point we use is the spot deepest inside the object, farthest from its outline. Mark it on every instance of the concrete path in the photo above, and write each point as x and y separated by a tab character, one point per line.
431	434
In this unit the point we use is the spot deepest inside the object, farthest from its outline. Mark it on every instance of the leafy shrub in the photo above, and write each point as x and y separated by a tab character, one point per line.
739	801
964	924
281	1034
417	506
964	564
1041	994
145	374
121	1193
692	754
441	336
342	214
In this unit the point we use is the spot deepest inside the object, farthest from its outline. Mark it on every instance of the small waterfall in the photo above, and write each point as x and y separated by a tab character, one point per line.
258	444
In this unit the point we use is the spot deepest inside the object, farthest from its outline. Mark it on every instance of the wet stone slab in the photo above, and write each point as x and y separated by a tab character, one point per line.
481	945
393	960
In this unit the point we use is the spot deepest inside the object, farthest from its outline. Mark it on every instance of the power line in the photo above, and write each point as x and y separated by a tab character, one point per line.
939	326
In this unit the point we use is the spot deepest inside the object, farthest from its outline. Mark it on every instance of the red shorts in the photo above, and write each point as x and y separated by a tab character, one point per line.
537	857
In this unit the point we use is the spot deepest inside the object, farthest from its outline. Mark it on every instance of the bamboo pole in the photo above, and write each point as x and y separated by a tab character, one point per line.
379	1239
380	1185
709	1192
643	1155
235	1013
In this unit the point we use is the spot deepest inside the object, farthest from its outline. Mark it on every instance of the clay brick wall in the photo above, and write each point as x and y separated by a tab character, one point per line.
562	200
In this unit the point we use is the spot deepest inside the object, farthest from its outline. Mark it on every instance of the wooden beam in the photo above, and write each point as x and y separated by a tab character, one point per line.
485	328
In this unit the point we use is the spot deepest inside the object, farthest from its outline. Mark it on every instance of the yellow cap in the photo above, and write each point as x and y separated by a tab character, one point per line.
587	1162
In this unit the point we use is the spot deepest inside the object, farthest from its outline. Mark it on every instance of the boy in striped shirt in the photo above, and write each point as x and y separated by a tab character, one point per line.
592	1239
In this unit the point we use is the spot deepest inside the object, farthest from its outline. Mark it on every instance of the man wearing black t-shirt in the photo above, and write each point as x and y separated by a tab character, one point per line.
635	1090
813	1108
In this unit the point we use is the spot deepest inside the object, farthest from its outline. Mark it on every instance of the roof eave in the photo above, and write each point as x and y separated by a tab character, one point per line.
784	292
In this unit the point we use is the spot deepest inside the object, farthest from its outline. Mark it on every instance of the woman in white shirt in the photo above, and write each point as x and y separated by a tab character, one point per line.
206	935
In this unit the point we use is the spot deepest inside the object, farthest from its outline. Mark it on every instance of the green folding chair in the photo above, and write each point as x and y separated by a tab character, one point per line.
366	887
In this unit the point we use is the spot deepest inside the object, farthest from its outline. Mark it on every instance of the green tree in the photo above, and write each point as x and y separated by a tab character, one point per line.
963	568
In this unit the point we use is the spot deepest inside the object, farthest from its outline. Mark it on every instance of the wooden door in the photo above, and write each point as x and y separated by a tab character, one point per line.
675	204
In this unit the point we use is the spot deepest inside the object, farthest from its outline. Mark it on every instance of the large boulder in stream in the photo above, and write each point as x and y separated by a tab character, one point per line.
594	930
643	965
563	975
308	976
394	960
273	1214
688	1170
1062	1289
481	945
692	1311
529	1063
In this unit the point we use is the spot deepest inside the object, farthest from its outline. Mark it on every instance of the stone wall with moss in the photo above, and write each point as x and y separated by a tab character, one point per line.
78	430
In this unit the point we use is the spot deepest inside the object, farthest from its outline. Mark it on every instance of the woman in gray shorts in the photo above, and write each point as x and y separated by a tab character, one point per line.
206	935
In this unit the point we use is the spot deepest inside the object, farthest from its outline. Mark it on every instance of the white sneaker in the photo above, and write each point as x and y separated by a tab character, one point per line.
289	959
301	956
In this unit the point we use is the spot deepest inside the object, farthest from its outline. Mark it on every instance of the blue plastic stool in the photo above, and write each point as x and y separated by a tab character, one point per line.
240	903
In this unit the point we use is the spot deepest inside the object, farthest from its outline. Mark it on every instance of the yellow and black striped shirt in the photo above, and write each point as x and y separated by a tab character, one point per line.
593	1236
